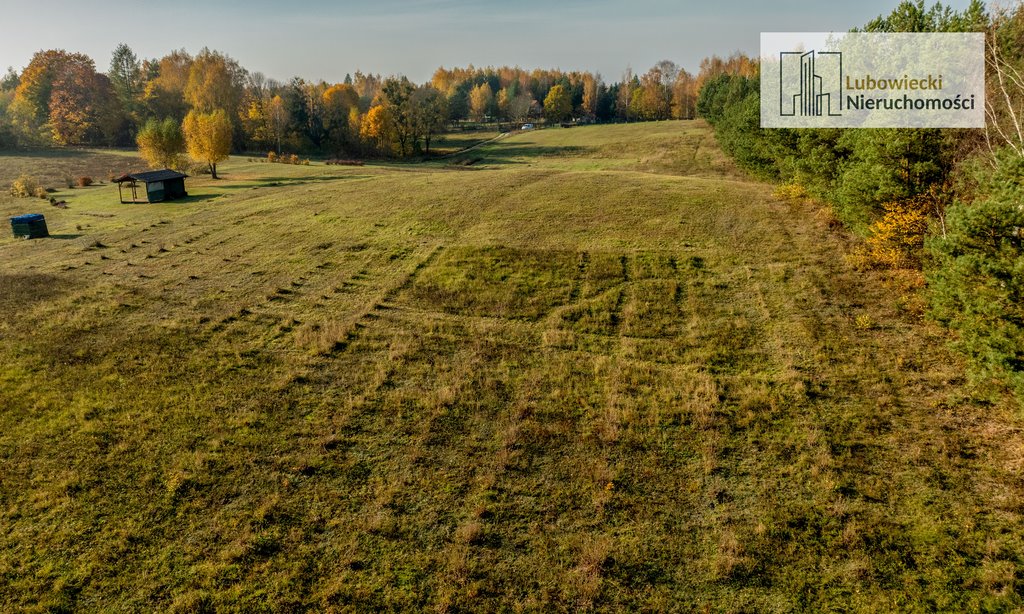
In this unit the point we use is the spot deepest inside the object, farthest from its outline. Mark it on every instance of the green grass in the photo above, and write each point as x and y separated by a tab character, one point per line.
451	142
596	369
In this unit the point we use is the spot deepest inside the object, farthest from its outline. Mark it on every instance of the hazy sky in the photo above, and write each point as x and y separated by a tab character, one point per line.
319	39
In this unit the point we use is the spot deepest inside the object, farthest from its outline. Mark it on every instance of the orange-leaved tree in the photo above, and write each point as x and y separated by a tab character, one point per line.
60	93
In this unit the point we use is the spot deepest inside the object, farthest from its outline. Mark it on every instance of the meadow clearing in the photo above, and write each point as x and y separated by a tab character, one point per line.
575	369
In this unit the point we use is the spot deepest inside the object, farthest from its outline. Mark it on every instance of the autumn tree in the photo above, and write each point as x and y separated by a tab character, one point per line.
557	104
444	80
30	108
304	104
61	97
590	90
431	113
215	81
736	64
481	102
208	137
315	127
652	99
377	128
277	120
254	112
519	107
355	121
684	96
368	87
624	95
501	102
396	95
338	102
83	107
161	143
668	72
164	92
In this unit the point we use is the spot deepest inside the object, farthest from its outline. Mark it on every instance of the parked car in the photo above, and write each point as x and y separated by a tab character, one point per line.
527	127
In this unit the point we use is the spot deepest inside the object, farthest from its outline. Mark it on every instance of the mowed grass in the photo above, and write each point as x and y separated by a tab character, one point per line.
599	370
452	142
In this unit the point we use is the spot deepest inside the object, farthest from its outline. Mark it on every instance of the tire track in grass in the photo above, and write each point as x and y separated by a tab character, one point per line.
615	317
581	276
406	283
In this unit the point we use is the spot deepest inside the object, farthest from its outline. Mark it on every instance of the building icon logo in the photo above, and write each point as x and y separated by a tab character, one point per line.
811	83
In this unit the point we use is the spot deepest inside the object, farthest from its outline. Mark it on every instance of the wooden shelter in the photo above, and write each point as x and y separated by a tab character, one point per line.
160	186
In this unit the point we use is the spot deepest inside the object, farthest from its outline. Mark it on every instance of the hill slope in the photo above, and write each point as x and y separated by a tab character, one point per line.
592	367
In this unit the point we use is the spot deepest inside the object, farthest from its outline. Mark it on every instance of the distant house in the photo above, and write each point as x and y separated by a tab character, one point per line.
160	186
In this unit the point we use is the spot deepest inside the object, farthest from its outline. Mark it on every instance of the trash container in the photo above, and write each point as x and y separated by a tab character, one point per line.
30	226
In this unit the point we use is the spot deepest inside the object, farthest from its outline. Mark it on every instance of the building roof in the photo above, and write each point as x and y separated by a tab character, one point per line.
28	218
149	176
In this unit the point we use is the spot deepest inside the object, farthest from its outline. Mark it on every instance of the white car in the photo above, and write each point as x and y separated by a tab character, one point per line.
527	127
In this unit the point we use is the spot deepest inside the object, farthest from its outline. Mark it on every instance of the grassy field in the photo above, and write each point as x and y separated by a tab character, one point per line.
452	142
588	368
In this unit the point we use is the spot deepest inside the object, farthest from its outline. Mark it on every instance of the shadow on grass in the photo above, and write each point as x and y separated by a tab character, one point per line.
44	153
274	182
191	198
66	236
188	200
311	178
22	290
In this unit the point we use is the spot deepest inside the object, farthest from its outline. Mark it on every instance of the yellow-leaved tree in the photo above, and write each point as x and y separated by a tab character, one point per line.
481	101
339	101
208	137
558	104
378	129
161	143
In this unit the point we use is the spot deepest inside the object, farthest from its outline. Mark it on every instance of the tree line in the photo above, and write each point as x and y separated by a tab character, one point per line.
944	202
61	98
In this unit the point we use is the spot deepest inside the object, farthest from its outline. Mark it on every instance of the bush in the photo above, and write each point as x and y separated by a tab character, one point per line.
790	191
40	192
896	240
24	187
286	159
976	277
84	181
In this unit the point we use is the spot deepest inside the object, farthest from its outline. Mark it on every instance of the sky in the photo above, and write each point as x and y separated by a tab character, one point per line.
321	39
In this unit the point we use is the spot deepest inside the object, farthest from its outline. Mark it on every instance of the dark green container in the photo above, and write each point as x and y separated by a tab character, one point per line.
31	226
